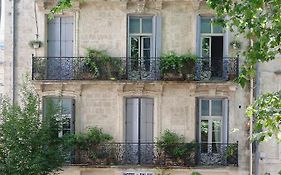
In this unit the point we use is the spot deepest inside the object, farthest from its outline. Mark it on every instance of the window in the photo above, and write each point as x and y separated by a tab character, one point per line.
60	48
212	124
211	47
64	107
144	44
139	130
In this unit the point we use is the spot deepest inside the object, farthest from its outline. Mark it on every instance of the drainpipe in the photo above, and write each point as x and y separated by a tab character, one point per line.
251	126
251	118
13	52
257	89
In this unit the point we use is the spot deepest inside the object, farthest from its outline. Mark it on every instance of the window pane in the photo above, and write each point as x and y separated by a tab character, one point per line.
147	25
216	131
146	43
216	107
217	28
66	106
216	136
134	25
205	107
204	130
206	47
205	25
204	136
134	47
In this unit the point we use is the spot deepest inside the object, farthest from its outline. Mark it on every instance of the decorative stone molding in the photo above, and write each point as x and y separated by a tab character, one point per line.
215	89
140	89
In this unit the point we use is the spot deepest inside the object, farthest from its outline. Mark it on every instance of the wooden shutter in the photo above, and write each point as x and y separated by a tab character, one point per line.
146	120
60	44
198	48
132	113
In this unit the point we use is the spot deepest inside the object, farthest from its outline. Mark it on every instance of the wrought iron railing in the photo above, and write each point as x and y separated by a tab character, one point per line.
213	68
125	68
155	154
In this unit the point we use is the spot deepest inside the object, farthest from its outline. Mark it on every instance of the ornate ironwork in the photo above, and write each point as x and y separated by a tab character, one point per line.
151	154
143	68
211	68
124	68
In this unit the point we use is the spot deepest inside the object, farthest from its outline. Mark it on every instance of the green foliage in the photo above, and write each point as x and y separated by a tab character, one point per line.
60	7
258	21
195	173
29	145
89	142
267	112
94	136
177	64
174	146
103	66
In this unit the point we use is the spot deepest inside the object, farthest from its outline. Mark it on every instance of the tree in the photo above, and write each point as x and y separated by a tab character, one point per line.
29	145
267	112
260	22
61	6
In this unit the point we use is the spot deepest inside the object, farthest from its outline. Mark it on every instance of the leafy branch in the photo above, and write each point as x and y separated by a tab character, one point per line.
258	21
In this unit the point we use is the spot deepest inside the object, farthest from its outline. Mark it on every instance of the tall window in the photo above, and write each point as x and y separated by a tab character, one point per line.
212	124
211	47
64	109
144	44
60	48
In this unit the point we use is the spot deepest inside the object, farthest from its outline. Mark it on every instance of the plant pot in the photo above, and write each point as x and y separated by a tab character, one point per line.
231	76
173	76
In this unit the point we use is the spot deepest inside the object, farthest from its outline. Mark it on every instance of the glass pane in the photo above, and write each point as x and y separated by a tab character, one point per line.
205	107
66	124
146	43
216	131
216	107
134	25
134	47
217	28
205	47
204	136
147	25
205	25
66	106
216	135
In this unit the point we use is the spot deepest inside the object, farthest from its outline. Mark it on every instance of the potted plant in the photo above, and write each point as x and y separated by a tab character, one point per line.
170	66
177	67
90	146
35	44
102	66
188	66
174	147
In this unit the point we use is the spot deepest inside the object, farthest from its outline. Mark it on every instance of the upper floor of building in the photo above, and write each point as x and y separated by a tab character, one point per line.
133	40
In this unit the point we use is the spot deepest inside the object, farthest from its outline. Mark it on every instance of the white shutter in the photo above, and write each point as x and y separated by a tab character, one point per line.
60	44
146	120
132	124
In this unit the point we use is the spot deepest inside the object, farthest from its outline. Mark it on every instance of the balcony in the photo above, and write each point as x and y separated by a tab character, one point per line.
125	68
155	154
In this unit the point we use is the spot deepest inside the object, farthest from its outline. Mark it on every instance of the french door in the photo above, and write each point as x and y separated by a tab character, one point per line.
212	54
142	62
139	130
140	53
212	130
60	48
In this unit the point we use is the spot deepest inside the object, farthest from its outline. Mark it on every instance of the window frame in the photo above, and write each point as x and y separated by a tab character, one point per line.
210	119
70	115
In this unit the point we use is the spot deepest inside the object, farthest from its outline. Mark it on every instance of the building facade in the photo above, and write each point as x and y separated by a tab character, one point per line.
137	102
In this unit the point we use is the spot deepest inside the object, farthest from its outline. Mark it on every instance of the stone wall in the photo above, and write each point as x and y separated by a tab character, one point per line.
270	151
